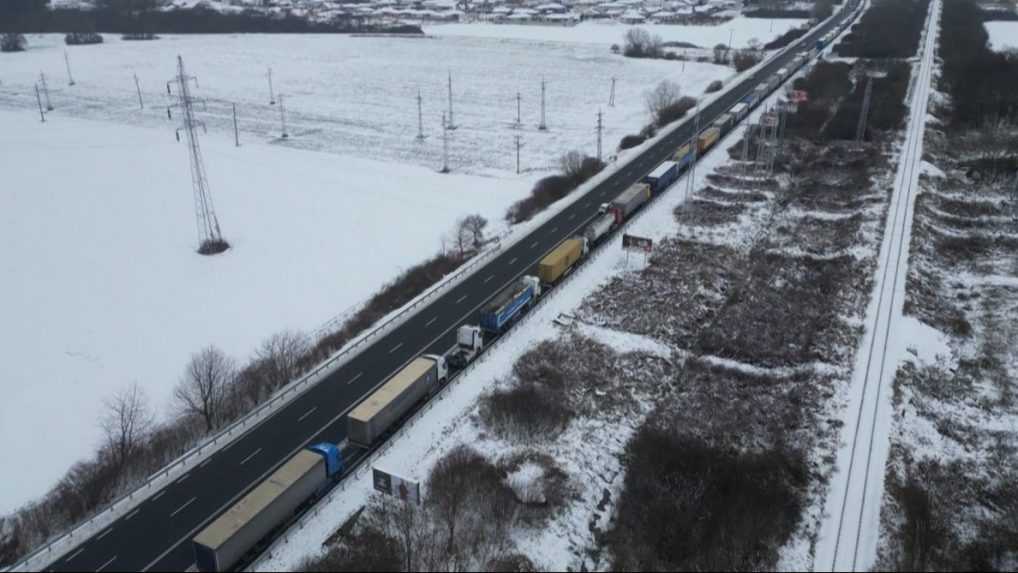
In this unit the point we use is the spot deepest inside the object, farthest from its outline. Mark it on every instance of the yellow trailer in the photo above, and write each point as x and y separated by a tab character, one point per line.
708	138
683	155
561	259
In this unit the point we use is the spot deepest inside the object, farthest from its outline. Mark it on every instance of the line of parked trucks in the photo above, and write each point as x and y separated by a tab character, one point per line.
304	478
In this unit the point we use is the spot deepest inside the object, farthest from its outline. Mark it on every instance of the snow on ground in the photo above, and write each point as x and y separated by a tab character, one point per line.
739	31
450	419
109	290
1003	35
358	95
144	301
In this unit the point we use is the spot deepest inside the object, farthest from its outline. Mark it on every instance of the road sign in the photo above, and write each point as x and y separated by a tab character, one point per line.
391	484
637	243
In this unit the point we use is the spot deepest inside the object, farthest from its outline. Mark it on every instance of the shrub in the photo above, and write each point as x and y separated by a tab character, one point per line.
714	86
82	38
525	412
687	506
785	39
631	141
675	111
12	42
554	187
745	59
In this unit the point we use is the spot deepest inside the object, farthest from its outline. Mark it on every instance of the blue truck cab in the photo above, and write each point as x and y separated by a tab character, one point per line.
333	458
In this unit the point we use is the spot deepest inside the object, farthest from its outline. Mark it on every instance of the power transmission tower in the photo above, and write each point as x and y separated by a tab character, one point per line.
272	94
518	104
209	235
600	129
445	145
137	86
544	124
67	60
282	117
747	135
420	116
45	91
38	99
451	124
611	98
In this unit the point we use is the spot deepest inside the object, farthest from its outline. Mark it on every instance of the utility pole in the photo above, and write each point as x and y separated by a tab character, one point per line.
731	36
282	117
209	234
860	130
420	116
272	94
236	130
611	98
518	99
67	60
445	145
451	124
600	129
518	154
747	135
38	99
137	86
544	124
45	91
695	150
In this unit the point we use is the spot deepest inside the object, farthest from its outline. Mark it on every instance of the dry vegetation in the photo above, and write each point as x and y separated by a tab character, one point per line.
951	501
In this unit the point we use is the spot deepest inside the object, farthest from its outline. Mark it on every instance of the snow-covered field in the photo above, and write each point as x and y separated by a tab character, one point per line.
358	95
1003	35
739	31
102	200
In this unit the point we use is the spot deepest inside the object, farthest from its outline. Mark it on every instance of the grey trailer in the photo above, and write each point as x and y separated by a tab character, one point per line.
372	417
225	541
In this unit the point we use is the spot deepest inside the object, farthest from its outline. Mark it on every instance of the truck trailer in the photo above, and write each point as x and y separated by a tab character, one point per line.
561	259
508	304
708	138
684	156
628	201
739	110
598	228
390	402
271	504
662	176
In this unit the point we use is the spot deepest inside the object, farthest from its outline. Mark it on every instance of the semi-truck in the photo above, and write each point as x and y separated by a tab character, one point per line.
561	259
628	201
273	503
469	343
598	228
507	306
390	402
662	176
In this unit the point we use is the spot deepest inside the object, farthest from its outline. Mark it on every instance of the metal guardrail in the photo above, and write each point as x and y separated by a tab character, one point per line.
57	546
49	551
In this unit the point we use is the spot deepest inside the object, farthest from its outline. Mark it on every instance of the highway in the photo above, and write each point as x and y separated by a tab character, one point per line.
156	536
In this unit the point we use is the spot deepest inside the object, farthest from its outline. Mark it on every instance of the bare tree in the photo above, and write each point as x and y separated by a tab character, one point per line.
280	356
202	392
12	42
127	422
663	96
473	226
640	43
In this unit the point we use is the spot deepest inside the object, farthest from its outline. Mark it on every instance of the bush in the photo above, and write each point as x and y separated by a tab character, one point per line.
687	506
525	412
82	38
675	111
785	39
631	141
554	187
745	59
714	86
12	42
